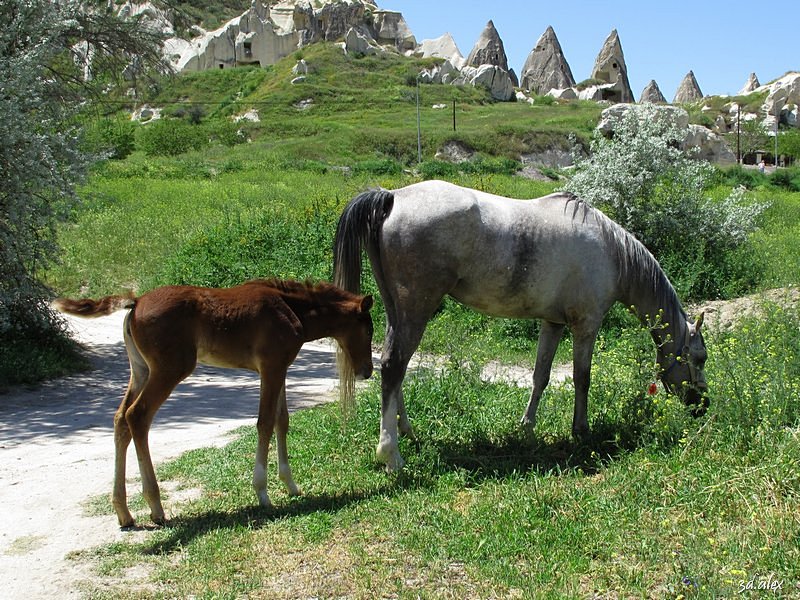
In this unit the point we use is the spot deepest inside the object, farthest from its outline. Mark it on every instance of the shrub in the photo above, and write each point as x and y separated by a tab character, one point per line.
437	169
170	137
657	191
788	179
110	138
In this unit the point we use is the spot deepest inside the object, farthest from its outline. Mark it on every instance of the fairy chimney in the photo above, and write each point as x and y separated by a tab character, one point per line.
688	90
546	68
610	68
488	50
652	94
751	85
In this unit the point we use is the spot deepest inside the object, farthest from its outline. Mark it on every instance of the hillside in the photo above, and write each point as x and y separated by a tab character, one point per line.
349	109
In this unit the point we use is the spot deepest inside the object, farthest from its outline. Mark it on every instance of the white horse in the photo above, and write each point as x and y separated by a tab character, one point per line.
554	258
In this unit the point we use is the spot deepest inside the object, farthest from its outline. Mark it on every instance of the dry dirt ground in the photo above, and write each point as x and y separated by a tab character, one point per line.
56	451
56	445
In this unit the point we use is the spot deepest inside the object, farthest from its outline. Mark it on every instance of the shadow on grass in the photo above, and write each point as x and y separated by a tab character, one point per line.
519	453
480	458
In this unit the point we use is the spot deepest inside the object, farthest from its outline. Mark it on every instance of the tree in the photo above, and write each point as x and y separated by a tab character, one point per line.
643	179
42	85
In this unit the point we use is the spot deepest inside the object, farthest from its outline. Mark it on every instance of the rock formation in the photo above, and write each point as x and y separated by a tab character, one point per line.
443	47
610	68
750	86
263	35
652	94
688	90
488	50
546	68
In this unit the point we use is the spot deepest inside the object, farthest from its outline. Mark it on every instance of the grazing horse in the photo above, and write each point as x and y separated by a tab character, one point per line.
554	258
260	325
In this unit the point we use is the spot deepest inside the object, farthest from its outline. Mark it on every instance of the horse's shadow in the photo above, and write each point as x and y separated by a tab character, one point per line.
481	460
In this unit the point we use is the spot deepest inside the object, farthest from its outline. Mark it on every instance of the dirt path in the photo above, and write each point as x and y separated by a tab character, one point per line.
56	451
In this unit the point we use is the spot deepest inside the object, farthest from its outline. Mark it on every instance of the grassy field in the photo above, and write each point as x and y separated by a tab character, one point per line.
653	505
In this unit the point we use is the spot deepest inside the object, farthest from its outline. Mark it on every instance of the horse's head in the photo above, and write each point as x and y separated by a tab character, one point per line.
683	374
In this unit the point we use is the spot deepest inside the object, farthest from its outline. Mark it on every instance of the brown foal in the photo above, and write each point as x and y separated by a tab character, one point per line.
260	325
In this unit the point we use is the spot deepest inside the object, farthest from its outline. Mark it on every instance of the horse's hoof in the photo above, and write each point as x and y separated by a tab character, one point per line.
580	434
159	520
528	424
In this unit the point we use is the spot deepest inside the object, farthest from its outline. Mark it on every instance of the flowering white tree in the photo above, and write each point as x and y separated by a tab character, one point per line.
41	88
641	176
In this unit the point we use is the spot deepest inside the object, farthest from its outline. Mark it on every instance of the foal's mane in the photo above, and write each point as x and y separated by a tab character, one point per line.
319	293
639	271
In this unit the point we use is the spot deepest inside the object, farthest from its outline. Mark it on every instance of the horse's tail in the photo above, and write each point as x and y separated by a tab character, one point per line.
359	228
86	307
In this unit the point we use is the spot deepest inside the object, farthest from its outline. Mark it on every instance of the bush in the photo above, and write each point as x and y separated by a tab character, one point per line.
737	175
110	138
170	137
644	181
788	179
271	244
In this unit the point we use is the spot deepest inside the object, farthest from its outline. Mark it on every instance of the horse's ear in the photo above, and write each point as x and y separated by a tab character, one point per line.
699	322
366	303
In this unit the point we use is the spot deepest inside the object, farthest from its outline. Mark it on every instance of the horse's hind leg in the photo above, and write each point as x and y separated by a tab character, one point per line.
281	429
122	433
398	349
549	338
140	417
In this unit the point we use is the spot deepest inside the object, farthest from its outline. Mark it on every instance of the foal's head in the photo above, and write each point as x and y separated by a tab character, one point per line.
685	376
354	352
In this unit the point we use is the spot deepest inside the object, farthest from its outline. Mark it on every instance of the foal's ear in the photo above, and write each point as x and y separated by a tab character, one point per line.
366	303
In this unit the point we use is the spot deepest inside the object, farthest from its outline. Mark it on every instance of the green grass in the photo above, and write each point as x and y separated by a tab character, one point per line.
654	504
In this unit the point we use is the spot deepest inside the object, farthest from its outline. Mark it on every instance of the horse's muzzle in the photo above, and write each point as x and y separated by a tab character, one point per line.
696	397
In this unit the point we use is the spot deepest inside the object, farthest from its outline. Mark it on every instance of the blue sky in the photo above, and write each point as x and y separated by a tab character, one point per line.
722	42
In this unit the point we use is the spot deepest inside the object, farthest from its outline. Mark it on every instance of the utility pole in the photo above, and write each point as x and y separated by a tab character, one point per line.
738	134
419	129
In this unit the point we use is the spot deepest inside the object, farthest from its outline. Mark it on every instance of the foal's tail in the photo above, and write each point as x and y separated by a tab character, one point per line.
86	307
359	228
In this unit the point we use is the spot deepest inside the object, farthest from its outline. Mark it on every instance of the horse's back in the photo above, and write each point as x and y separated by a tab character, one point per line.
518	258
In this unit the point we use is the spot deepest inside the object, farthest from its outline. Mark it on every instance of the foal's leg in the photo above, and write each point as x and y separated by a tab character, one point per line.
549	338
139	417
122	433
272	382
284	471
122	439
582	348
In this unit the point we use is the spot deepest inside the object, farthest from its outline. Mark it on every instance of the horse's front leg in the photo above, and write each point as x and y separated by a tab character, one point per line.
549	338
272	382
284	471
582	349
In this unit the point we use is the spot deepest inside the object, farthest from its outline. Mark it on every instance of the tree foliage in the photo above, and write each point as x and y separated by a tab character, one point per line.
44	49
641	177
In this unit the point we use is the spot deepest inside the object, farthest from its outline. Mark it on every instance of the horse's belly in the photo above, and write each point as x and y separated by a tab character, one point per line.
511	307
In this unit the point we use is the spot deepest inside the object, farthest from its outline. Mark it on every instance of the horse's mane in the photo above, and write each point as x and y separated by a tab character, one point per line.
638	268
